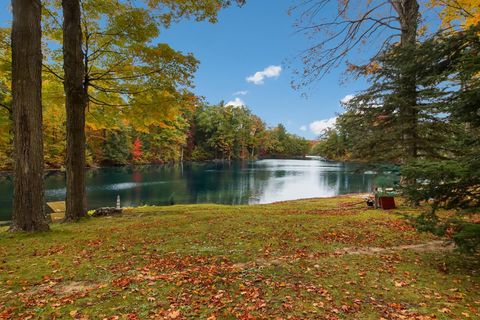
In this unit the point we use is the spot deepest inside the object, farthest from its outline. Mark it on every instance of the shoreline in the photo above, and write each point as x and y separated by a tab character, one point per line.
359	195
62	169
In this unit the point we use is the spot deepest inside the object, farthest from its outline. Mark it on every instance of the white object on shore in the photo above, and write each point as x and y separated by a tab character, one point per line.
118	202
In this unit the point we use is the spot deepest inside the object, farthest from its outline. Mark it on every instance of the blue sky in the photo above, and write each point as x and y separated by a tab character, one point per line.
246	42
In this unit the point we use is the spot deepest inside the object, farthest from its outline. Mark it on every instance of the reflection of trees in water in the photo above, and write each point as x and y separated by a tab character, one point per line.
223	182
280	173
228	183
346	180
136	185
157	185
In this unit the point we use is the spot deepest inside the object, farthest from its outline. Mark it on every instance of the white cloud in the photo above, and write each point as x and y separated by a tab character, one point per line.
241	93
237	102
319	126
347	98
269	72
303	128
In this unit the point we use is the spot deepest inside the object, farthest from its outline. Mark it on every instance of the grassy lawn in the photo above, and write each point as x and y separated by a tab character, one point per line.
307	259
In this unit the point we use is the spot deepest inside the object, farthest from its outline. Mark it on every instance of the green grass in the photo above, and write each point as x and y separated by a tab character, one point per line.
282	261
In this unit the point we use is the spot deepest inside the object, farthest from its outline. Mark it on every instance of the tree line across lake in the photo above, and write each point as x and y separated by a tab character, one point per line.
197	133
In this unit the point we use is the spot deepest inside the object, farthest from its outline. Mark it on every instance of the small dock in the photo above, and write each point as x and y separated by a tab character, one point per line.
56	210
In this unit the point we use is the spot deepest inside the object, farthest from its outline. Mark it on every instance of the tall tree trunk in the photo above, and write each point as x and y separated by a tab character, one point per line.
28	194
76	100
408	13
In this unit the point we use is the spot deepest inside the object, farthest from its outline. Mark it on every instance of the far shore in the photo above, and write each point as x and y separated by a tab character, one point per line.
113	165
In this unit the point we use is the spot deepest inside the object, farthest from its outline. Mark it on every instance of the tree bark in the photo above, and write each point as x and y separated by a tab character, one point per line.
408	14
28	194
76	100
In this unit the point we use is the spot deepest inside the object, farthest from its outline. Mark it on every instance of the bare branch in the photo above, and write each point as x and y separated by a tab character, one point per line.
8	108
51	71
342	33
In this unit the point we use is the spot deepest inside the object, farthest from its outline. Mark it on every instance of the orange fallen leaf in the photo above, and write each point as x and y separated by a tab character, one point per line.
445	310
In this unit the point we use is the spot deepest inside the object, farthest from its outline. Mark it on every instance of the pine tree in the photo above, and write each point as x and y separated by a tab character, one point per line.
379	128
454	181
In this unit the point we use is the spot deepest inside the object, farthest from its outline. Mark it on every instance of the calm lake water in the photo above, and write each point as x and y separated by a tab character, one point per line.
262	181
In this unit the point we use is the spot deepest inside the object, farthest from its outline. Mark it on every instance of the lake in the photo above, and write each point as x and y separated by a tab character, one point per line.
252	182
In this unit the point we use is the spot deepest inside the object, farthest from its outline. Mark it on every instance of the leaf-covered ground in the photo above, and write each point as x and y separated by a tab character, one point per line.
307	259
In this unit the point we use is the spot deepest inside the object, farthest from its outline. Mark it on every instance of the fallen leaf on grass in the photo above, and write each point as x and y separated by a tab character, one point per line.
174	314
444	310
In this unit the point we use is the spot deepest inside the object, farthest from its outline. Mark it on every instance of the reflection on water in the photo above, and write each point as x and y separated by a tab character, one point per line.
252	182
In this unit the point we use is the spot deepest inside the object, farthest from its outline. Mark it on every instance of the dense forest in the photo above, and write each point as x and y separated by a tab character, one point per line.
198	132
139	104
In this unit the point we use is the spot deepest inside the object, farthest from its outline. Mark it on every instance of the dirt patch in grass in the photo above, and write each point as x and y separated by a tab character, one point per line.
432	246
73	287
67	288
348	237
